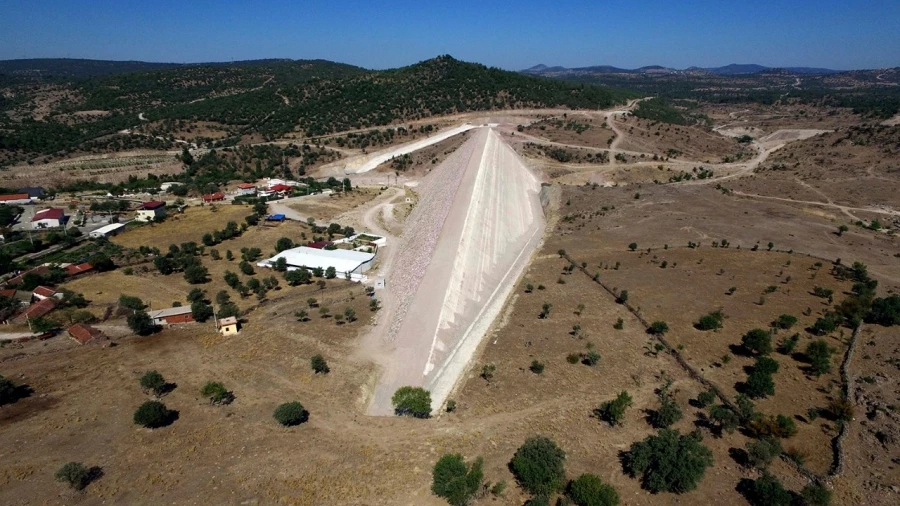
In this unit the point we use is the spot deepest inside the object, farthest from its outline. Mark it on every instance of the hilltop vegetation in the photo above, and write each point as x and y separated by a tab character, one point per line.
42	115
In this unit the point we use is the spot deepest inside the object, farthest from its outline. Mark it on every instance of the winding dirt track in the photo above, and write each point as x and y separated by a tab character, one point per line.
465	247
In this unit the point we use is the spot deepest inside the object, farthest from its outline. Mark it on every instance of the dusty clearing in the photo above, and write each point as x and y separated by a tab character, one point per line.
325	208
179	228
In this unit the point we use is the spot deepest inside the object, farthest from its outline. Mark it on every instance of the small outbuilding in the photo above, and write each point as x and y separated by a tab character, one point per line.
229	326
149	211
42	292
48	218
34	192
78	269
275	217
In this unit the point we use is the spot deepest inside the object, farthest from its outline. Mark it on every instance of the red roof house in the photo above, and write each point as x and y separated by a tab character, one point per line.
36	310
51	213
42	292
212	197
246	186
83	333
75	270
281	188
15	198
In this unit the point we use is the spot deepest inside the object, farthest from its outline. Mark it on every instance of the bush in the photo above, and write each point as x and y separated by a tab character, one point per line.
216	393
669	462
538	466
784	322
766	491
290	414
818	354
779	426
712	321
8	391
201	311
633	246
133	303
412	401
760	384
658	328
612	412
761	452
153	381
319	365
885	311
589	490
706	398
788	344
153	414
815	495
456	481
824	325
840	410
668	413
725	418
757	341
536	367
766	365
76	474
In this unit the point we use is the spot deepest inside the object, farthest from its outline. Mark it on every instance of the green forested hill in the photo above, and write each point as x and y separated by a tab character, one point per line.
272	97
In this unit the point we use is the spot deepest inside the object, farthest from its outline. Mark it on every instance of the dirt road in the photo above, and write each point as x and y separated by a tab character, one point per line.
485	233
374	160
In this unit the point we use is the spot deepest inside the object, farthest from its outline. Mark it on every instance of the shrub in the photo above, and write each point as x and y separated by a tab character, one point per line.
725	418
612	412
412	401
290	414
619	325
538	466
825	325
706	398
153	414
712	321
537	367
779	426
757	341
76	474
487	371
766	365
196	274
573	358
153	381
668	413
840	410
623	297
133	303
885	311
816	495
319	365
669	462
784	322
590	358
788	344
456	481
633	246
589	490
8	391
819	356
761	452
766	491
451	406
658	328
216	393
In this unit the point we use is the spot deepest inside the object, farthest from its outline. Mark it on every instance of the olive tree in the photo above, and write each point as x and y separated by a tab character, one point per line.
669	461
456	481
412	401
538	466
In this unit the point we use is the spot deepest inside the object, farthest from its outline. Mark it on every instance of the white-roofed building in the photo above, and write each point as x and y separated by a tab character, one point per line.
107	230
356	263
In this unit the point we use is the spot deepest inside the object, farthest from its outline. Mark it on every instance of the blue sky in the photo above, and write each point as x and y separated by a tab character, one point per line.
513	35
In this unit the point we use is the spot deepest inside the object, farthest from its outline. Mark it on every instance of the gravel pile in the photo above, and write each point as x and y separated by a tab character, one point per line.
423	228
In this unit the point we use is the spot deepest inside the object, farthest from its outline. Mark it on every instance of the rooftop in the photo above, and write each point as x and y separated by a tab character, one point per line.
155	204
231	320
246	186
43	291
39	309
73	269
172	311
83	333
15	196
52	213
342	260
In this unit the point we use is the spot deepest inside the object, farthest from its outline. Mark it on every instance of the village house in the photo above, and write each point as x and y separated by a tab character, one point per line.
246	189
36	310
149	211
42	292
16	198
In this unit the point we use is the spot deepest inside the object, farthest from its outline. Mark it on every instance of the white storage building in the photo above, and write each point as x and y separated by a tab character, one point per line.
107	230
344	261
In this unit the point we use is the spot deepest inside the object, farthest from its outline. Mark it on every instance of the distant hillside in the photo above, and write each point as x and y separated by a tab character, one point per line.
68	67
269	97
733	69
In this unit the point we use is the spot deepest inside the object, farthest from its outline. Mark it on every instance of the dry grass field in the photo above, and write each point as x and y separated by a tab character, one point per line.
573	130
325	208
676	141
189	226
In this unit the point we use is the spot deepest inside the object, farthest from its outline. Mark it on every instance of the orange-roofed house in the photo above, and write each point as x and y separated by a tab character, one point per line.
84	334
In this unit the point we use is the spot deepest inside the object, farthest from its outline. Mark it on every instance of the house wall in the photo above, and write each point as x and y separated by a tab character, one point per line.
149	214
48	223
228	330
181	318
